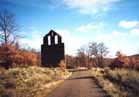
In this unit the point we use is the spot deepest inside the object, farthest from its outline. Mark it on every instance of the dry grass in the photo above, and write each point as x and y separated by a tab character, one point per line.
127	79
118	82
30	82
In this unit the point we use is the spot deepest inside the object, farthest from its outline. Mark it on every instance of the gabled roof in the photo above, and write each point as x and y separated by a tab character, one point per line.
52	33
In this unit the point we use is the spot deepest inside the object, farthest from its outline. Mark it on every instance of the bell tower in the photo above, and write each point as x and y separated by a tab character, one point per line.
52	50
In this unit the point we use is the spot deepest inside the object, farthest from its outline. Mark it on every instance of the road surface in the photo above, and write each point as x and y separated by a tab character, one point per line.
80	84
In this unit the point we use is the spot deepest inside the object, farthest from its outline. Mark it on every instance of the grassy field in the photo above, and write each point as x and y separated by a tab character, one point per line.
117	82
30	82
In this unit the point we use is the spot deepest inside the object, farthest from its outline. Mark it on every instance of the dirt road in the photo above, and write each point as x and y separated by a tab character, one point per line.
80	84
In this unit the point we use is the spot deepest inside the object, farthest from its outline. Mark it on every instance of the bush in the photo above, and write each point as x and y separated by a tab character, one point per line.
127	79
62	65
118	82
10	56
29	82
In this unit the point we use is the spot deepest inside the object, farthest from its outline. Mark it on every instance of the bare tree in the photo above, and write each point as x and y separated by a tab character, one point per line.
103	51
98	51
70	61
81	57
8	37
94	51
7	27
93	47
88	55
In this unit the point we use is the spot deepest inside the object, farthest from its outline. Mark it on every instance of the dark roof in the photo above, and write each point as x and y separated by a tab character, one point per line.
51	33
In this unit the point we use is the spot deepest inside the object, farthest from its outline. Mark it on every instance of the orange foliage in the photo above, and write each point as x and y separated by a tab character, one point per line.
62	65
123	59
29	58
13	57
133	61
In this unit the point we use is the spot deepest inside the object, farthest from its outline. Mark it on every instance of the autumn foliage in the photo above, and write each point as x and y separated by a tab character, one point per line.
11	56
62	65
123	61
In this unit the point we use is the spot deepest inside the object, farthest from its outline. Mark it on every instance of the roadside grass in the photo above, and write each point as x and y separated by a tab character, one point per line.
117	82
30	82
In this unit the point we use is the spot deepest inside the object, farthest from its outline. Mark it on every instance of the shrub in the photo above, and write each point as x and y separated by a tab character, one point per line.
10	56
29	82
118	82
62	65
127	79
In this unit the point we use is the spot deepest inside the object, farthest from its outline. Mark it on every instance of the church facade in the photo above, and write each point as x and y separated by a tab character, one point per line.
52	49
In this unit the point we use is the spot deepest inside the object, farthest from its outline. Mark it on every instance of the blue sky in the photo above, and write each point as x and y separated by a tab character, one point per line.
114	22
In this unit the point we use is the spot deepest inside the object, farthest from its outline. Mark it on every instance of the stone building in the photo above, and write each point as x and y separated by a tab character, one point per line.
52	50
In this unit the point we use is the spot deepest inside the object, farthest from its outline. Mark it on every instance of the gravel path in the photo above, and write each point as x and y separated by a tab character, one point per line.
80	84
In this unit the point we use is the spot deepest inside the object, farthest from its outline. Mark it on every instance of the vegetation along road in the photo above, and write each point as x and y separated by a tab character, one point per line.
80	84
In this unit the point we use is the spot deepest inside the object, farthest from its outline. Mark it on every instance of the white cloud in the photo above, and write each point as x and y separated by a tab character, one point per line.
116	41
128	24
125	48
135	32
33	40
91	6
88	27
119	34
114	35
33	43
72	43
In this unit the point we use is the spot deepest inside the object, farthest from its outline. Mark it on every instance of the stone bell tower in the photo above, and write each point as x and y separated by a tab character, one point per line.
52	50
